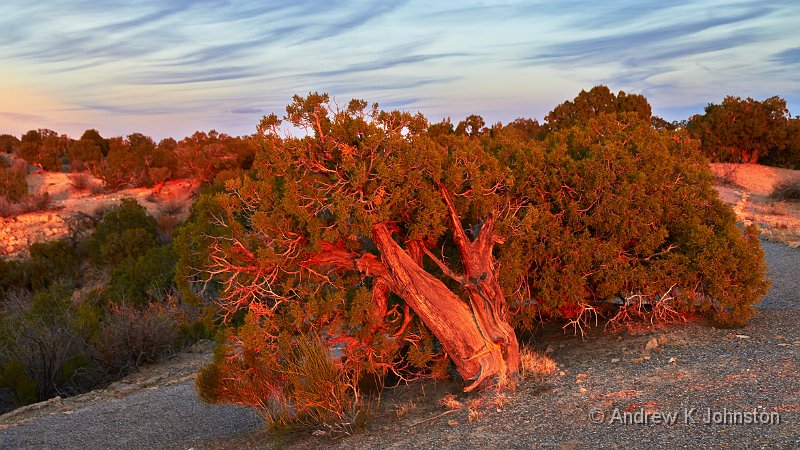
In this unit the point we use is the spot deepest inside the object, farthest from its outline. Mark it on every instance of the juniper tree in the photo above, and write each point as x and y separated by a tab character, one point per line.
391	245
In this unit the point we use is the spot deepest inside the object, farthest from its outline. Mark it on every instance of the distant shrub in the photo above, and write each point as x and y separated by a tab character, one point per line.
26	204
126	231
787	190
130	337
13	185
83	154
81	181
147	278
53	262
43	148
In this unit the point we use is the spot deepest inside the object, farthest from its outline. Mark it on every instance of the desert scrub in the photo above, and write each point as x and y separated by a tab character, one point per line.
12	180
126	231
787	190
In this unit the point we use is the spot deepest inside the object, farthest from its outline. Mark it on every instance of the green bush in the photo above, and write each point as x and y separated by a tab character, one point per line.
13	275
405	249
126	231
41	336
12	182
147	278
618	209
53	262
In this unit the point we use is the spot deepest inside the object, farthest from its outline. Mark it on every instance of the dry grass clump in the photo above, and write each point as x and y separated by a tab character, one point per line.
449	401
474	413
404	408
85	182
172	207
26	204
535	365
725	175
787	190
80	181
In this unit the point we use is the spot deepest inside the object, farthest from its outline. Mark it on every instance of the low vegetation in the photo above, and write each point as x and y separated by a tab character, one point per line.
788	190
81	313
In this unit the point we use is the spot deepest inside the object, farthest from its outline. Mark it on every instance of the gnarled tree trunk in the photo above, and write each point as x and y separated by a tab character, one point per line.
475	333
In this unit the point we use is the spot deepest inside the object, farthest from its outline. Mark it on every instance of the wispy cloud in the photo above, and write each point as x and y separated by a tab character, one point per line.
223	61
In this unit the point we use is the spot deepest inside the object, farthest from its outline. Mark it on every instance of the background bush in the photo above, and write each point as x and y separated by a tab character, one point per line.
126	231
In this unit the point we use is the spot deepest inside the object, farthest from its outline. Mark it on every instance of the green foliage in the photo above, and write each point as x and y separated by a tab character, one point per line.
94	136
8	143
12	182
52	262
13	275
13	376
598	208
43	148
147	278
748	131
136	161
578	244
598	101
126	231
203	155
84	153
41	335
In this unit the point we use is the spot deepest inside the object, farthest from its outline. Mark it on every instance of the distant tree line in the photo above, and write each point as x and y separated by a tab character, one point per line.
136	160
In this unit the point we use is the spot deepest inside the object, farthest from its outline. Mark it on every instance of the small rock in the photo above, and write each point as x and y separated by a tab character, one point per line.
672	360
452	422
614	360
582	389
647	358
549	349
651	344
562	373
68	412
742	336
794	244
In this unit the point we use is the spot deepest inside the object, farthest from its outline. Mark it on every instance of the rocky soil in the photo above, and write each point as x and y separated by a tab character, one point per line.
18	233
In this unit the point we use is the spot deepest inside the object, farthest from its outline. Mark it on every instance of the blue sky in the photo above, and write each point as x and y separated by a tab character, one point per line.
168	68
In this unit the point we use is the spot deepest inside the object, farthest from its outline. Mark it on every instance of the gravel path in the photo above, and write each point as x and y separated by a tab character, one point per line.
166	417
693	366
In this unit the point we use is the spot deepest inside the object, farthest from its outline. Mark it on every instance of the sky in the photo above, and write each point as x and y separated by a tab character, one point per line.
170	67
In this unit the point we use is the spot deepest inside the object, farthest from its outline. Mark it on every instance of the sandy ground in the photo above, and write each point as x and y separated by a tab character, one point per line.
748	191
19	232
67	200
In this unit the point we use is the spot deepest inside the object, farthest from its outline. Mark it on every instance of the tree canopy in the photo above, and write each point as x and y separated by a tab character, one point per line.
748	131
402	247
